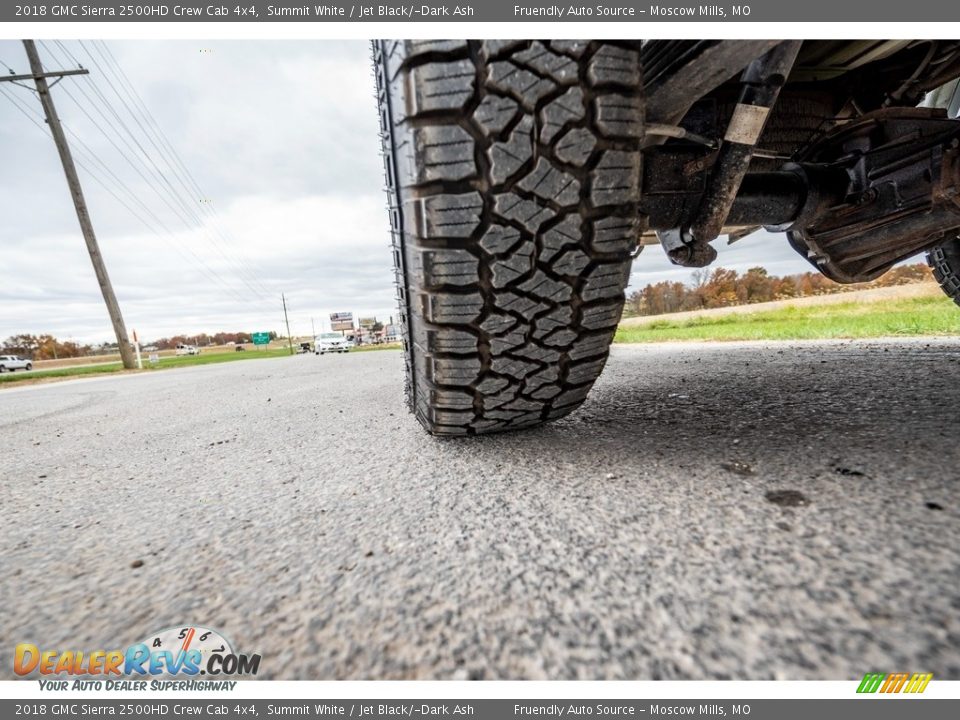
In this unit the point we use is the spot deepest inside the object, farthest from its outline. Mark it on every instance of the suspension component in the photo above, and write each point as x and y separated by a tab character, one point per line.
689	245
887	187
873	192
761	83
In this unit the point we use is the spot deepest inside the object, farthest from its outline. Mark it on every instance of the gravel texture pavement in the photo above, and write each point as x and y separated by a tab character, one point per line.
746	511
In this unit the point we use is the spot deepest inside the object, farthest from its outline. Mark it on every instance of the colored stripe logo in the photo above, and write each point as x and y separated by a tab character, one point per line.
894	682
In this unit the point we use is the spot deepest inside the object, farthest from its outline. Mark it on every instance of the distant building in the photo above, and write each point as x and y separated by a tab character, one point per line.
392	333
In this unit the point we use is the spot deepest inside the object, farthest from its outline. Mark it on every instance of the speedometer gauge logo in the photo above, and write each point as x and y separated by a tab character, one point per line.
183	639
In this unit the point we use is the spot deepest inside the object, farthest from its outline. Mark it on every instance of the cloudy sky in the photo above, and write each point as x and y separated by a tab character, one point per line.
280	136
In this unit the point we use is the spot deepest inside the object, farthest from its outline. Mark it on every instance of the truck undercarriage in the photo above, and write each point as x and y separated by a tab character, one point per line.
822	140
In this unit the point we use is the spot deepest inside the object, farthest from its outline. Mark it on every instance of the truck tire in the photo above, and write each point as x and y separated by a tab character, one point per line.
945	261
513	171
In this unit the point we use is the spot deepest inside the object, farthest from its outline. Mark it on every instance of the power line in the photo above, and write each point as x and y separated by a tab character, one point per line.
117	134
94	160
207	270
152	167
152	130
68	53
138	157
183	212
148	115
106	186
164	152
84	149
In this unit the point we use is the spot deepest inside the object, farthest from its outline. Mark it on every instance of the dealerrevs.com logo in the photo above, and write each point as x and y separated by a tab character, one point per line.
180	653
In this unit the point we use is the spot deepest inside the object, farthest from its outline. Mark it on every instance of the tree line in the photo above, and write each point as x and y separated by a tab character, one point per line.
723	287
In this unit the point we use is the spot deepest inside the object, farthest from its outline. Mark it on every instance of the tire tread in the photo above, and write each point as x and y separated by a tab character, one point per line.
513	171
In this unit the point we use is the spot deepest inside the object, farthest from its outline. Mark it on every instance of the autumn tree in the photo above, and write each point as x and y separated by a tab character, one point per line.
723	287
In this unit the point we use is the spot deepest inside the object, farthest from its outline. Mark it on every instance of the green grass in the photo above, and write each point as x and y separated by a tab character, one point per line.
165	363
211	358
905	317
20	375
371	348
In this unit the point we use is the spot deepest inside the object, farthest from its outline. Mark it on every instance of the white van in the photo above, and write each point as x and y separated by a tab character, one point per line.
187	350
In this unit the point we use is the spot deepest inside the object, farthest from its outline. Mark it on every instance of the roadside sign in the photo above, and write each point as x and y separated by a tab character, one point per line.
341	321
154	358
261	338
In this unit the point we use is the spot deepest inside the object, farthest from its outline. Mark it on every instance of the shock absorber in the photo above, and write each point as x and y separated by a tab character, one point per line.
761	83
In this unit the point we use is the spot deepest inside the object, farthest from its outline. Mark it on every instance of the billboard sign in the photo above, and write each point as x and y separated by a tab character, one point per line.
340	321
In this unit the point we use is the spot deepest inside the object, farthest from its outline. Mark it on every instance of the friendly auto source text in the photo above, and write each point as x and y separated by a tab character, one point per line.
614	11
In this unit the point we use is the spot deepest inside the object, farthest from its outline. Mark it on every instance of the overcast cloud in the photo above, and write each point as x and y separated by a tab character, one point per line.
282	138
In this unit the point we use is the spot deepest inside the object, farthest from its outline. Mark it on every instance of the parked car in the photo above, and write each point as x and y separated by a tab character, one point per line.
331	342
187	350
9	363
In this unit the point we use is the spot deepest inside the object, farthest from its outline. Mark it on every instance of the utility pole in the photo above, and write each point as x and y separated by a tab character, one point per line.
313	328
287	320
39	78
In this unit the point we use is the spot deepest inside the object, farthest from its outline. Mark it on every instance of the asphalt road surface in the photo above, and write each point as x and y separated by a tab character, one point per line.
743	511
